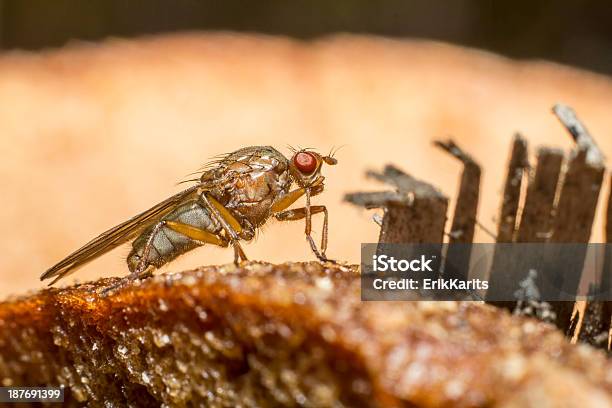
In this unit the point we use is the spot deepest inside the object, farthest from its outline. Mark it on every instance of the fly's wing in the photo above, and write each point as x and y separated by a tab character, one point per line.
117	235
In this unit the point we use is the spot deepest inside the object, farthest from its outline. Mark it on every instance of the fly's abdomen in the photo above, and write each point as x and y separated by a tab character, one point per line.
167	244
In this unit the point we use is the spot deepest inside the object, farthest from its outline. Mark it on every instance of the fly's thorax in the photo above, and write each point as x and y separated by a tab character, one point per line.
249	182
252	195
253	157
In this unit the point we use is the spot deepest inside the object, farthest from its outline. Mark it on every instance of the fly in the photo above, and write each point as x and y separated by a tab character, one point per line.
236	194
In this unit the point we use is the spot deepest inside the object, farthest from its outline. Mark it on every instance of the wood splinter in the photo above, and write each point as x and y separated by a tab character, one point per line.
464	217
501	276
575	211
414	213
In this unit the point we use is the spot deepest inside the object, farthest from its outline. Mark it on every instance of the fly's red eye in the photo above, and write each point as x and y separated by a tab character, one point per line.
305	162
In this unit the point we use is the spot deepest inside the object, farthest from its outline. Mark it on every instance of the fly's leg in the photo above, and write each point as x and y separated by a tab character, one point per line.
239	254
303	212
230	225
144	271
281	213
294	195
196	234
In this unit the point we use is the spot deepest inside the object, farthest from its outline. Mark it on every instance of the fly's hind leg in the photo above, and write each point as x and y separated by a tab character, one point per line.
230	225
144	270
239	254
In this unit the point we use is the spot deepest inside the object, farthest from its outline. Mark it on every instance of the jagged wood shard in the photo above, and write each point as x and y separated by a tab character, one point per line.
575	211
500	276
464	217
598	315
536	217
414	213
606	282
582	137
512	190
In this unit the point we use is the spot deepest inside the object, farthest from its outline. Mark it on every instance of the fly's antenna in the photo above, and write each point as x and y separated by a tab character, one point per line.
334	150
330	159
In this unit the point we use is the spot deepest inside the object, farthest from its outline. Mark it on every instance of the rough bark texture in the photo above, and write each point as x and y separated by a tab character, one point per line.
595	327
537	212
291	334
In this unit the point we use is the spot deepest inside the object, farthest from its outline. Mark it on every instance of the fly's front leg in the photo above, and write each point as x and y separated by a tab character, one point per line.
230	224
303	212
280	213
294	195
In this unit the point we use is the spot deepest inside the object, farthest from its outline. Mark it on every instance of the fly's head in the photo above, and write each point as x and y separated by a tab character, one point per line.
305	167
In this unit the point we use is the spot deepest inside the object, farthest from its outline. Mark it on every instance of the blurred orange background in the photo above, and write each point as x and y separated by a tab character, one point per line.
93	134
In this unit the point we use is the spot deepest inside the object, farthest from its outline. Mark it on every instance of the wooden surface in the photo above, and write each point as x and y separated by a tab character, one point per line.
290	334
